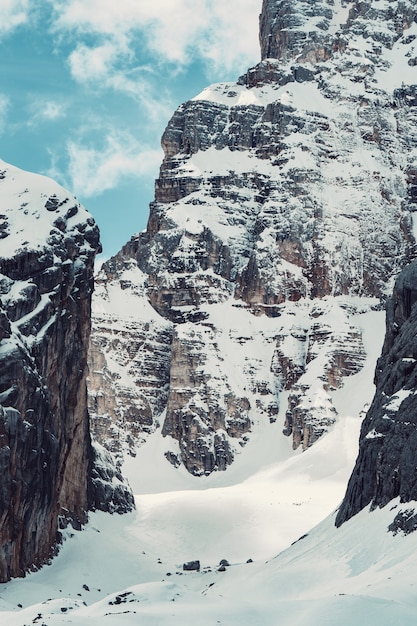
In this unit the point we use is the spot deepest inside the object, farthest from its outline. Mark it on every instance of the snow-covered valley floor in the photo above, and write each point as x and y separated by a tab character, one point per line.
125	570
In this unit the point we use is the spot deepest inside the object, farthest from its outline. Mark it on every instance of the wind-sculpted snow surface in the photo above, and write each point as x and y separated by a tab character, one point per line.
282	211
47	247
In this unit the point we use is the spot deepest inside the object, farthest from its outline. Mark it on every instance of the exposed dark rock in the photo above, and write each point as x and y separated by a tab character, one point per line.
173	459
109	491
404	522
191	566
268	71
385	468
46	459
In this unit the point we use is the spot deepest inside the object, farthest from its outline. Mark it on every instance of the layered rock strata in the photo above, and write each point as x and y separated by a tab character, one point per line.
47	249
295	184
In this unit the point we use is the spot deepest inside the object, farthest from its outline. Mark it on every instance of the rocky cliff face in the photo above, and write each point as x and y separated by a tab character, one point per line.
385	468
282	213
48	474
129	358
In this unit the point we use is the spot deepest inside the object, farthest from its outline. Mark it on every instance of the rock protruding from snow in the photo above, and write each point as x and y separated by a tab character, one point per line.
327	340
109	490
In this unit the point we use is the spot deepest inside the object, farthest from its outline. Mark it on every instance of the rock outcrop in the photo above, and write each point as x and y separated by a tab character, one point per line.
296	184
48	245
385	468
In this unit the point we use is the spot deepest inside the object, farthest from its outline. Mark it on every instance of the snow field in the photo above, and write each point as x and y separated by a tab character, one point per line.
124	570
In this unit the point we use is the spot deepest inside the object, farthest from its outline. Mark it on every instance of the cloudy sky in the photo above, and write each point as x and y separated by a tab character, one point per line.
88	86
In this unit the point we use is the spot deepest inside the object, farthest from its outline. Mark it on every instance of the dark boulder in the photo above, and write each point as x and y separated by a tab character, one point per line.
191	566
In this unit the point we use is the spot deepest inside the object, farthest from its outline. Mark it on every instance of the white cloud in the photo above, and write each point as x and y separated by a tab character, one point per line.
94	63
13	13
4	106
232	36
53	111
94	170
225	35
113	16
109	66
155	102
44	110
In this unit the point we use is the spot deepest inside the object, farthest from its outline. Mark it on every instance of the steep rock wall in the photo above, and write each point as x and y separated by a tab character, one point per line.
129	359
48	245
385	468
295	184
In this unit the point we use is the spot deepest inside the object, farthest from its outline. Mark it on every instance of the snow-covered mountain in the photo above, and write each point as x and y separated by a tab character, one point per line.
282	214
50	473
253	304
125	570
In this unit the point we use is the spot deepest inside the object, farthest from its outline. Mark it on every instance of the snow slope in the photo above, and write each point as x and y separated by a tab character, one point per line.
124	570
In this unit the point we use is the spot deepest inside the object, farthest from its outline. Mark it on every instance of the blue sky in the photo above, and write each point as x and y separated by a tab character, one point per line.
88	86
